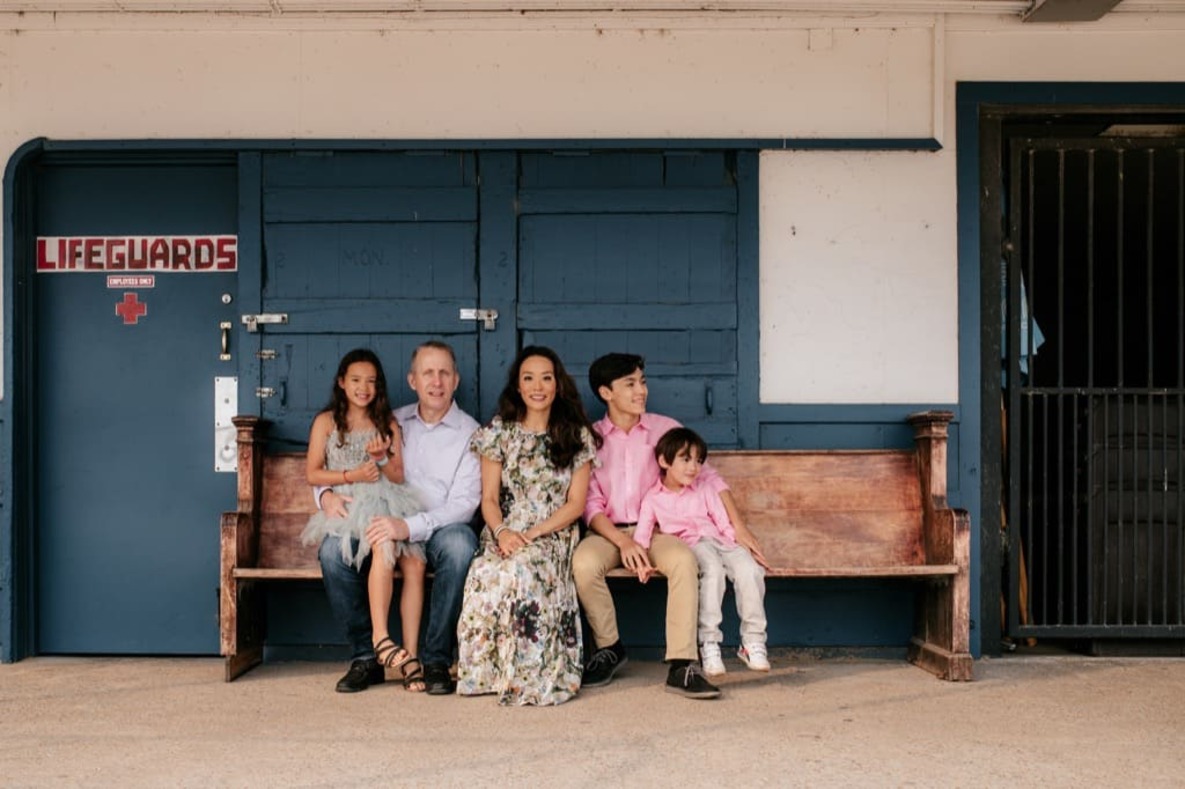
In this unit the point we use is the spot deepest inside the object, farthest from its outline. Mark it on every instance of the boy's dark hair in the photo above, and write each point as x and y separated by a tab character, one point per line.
675	440
608	368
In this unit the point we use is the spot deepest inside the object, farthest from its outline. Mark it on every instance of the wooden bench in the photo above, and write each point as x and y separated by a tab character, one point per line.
825	514
866	514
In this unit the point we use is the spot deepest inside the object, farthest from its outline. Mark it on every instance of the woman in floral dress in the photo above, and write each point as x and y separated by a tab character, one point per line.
519	632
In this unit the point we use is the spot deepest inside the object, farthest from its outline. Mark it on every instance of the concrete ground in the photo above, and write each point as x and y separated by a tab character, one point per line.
1025	721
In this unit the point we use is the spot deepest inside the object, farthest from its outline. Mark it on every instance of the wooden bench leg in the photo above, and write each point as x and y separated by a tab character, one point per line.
942	637
243	631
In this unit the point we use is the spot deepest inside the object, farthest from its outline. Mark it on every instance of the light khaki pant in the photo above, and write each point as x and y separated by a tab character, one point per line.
596	556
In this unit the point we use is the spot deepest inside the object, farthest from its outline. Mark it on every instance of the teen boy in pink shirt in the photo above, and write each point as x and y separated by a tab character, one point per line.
627	470
682	507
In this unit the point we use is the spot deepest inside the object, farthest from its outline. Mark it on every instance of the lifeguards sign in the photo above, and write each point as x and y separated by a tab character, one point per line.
137	253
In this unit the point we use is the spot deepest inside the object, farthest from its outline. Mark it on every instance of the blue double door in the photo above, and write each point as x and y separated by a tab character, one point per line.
585	252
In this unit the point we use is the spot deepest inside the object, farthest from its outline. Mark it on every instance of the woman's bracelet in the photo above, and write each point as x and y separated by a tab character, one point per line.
345	479
381	462
501	528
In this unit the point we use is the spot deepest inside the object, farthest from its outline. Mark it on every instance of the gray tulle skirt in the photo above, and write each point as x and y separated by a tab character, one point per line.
369	499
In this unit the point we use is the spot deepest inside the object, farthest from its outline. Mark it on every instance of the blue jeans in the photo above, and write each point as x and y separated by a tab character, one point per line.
450	550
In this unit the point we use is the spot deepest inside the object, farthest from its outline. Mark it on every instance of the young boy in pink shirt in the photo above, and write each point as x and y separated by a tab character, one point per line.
695	514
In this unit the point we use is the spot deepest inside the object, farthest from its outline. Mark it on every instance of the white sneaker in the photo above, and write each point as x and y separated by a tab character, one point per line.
754	656
709	655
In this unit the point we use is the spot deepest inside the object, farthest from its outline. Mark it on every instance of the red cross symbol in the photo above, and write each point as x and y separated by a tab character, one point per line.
131	309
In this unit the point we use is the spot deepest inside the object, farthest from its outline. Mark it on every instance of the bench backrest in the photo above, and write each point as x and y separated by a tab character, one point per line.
287	505
829	509
810	509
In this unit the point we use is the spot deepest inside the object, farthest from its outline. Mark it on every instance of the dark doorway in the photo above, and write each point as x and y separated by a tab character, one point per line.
1093	376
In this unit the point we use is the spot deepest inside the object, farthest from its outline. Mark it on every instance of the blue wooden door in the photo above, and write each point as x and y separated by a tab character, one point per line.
126	497
587	253
636	252
370	250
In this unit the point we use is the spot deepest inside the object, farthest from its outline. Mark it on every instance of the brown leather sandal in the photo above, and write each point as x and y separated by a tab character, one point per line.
391	655
413	677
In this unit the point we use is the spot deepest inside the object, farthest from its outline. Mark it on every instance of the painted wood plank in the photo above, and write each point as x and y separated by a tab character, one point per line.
420	168
619	201
422	316
574	317
369	204
370	259
601	169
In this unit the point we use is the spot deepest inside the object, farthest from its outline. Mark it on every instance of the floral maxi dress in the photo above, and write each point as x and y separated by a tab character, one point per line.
519	632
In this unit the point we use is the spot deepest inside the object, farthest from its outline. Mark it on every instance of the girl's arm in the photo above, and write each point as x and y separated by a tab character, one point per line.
315	463
392	450
571	509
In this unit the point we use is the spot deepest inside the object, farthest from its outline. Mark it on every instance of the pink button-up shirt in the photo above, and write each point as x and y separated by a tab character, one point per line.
628	469
691	514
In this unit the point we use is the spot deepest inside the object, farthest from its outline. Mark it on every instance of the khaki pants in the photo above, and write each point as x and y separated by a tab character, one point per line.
596	556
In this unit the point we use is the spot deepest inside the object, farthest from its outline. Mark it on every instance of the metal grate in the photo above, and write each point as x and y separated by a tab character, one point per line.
1096	268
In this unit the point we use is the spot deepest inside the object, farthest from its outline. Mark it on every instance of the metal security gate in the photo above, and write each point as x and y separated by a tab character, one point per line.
1095	387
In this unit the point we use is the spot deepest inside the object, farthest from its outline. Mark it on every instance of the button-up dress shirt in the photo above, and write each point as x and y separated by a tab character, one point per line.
691	514
628	469
438	463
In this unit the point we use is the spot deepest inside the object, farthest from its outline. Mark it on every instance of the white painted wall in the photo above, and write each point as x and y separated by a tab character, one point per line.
858	277
881	267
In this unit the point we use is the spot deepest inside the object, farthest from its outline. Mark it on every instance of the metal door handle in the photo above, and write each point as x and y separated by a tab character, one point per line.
709	399
225	327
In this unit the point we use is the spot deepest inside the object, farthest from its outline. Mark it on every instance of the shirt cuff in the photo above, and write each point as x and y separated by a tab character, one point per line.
418	528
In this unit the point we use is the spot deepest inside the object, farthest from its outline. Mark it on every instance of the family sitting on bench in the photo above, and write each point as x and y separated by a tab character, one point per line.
398	490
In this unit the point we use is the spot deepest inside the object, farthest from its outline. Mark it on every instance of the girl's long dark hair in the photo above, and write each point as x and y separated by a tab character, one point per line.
567	416
378	409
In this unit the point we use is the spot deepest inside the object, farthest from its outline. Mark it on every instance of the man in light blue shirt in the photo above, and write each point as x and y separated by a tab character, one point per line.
437	462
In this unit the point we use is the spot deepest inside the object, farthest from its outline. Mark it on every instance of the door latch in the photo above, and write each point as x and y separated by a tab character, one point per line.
252	321
488	318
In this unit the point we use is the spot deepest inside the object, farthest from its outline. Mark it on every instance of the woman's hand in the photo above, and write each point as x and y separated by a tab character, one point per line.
510	541
378	447
365	471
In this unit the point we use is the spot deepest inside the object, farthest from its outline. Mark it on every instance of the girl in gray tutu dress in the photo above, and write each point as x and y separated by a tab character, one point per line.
355	446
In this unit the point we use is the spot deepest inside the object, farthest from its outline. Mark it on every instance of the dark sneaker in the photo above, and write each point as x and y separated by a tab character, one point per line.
603	665
689	681
437	680
362	674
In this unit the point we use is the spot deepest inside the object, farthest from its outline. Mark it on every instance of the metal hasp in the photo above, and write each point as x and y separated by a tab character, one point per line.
252	321
488	318
226	405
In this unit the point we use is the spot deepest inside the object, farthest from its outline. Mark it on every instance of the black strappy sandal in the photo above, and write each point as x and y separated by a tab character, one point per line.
414	676
391	655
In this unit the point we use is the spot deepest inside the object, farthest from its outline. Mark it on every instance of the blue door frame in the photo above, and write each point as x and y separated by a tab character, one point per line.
976	368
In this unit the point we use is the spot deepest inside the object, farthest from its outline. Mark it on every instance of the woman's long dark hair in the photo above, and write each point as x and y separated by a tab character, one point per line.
567	415
378	409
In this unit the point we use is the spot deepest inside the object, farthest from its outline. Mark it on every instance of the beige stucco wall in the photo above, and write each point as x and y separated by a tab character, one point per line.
881	257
